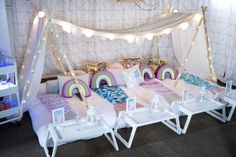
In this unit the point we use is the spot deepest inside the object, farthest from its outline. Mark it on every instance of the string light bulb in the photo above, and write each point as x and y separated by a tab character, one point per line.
67	28
197	17
166	31
184	25
110	36
130	38
88	33
41	14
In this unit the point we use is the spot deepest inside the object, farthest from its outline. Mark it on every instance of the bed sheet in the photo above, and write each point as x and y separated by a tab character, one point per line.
212	92
149	94
41	117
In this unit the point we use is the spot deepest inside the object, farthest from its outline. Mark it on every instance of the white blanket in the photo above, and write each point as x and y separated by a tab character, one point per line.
41	117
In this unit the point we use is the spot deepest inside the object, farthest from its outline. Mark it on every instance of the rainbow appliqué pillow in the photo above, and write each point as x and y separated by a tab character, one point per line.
69	88
146	71
167	71
100	76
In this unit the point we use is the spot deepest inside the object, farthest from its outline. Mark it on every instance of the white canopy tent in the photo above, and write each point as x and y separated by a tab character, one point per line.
177	23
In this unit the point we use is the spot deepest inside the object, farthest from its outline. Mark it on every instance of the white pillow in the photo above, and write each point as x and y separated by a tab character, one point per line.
118	76
62	80
132	76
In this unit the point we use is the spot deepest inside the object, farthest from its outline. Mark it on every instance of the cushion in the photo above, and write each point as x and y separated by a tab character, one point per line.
167	71
146	71
118	76
52	86
130	62
195	80
62	80
77	73
93	68
115	66
132	77
155	62
69	88
101	76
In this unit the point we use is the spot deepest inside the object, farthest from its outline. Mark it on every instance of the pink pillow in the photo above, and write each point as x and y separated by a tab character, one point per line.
115	66
79	72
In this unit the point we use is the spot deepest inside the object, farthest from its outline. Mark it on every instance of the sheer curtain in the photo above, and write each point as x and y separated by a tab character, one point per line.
221	20
197	62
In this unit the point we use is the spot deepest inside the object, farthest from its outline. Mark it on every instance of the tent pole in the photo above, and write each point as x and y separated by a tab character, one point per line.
26	90
72	73
209	54
189	51
55	54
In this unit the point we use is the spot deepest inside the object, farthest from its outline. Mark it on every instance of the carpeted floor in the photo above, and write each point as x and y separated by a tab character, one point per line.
206	137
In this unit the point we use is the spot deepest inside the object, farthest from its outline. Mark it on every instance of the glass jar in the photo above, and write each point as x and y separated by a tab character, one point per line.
91	115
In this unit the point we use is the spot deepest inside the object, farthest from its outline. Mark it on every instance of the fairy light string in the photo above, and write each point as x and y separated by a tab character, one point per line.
62	51
209	53
42	41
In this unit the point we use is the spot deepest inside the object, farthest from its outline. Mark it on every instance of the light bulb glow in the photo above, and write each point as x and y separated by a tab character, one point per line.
88	33
175	11
184	25
41	14
67	28
197	17
110	36
130	38
166	31
148	36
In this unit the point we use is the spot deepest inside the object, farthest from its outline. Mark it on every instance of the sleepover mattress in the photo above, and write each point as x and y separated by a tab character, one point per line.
41	116
151	88
213	91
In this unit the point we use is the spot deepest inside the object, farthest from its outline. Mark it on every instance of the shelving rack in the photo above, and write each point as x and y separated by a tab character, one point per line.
9	92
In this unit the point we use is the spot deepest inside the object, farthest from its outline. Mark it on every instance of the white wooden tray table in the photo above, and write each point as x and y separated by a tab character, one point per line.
194	107
142	117
74	130
229	98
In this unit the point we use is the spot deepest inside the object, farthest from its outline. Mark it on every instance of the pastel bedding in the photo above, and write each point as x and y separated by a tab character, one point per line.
151	88
112	94
162	90
115	95
41	114
194	83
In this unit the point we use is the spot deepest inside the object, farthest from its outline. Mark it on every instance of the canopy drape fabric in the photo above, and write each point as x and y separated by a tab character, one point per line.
32	68
155	26
33	64
197	61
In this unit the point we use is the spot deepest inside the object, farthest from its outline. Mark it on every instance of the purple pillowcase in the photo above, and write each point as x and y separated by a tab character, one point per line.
54	101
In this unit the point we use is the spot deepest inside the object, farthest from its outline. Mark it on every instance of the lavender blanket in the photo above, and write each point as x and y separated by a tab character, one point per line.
54	101
159	88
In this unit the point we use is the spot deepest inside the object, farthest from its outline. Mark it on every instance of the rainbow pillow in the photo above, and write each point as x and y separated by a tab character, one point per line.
103	76
146	71
167	71
69	88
